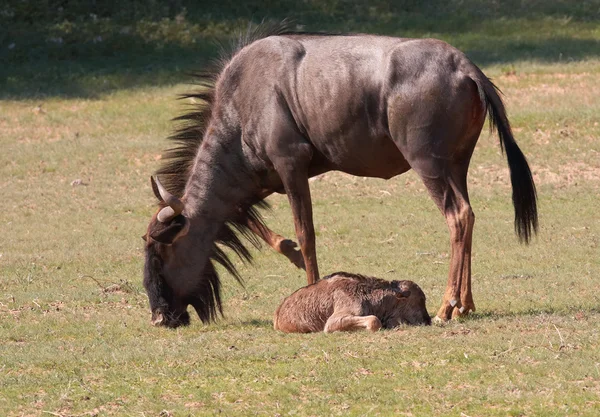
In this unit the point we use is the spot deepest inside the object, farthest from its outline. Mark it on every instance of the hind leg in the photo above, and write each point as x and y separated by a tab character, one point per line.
436	123
444	174
448	189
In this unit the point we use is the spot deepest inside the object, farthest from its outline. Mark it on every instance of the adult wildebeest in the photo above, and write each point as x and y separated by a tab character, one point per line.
288	106
344	302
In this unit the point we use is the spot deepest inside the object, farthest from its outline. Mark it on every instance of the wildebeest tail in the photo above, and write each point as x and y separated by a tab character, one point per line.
524	194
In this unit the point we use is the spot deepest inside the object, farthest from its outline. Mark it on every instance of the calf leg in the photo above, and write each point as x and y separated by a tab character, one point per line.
344	322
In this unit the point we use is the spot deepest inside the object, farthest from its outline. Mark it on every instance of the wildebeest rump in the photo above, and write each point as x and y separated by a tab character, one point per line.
345	302
290	106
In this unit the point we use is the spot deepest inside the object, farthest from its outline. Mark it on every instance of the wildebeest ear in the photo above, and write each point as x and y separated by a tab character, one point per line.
167	233
145	238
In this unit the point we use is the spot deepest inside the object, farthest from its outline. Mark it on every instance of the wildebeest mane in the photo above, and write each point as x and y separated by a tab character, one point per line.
178	160
191	126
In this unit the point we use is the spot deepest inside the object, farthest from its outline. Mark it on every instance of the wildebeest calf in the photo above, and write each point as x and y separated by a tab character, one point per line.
344	302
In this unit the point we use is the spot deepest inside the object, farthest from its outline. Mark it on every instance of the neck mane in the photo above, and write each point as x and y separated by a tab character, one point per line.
189	134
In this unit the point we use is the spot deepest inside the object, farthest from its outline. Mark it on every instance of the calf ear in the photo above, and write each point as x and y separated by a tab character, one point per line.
402	294
401	289
168	233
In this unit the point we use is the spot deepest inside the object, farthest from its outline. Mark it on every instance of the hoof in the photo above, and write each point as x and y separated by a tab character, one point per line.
462	312
438	321
454	309
374	325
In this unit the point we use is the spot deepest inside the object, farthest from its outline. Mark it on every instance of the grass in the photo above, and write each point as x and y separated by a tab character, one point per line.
75	337
88	48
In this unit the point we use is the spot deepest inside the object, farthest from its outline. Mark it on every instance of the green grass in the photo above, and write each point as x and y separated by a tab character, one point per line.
75	337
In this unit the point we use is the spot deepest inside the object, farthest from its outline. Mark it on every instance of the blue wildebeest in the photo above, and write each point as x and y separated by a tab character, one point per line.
346	302
288	106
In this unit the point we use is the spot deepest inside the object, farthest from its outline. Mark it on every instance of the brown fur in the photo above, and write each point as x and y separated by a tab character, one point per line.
343	302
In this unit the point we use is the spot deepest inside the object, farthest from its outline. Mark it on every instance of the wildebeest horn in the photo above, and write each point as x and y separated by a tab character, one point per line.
174	205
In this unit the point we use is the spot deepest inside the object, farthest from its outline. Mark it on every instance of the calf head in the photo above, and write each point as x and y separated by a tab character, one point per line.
411	306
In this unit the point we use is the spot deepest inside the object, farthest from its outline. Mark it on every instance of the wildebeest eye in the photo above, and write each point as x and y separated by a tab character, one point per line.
166	233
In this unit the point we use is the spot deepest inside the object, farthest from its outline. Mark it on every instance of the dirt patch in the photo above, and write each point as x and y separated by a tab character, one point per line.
565	175
487	176
568	175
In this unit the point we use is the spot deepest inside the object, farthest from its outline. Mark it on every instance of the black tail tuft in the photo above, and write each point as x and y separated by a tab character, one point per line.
524	194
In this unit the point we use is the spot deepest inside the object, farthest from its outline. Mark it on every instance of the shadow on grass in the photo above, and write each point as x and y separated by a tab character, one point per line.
259	323
532	312
86	49
553	50
96	76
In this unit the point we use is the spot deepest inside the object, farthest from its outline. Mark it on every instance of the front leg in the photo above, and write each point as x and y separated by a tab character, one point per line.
296	186
279	243
291	155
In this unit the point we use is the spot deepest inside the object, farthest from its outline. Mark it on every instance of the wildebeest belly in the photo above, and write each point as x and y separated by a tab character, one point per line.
350	133
369	157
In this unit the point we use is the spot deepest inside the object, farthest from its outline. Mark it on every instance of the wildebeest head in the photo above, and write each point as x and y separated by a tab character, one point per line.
175	273
411	307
